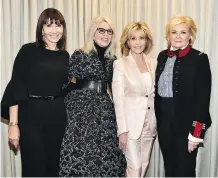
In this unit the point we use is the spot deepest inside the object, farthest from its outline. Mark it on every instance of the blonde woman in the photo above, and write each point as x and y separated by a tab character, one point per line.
133	94
183	81
90	146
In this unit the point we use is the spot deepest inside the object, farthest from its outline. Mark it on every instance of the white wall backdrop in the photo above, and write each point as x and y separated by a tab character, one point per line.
18	25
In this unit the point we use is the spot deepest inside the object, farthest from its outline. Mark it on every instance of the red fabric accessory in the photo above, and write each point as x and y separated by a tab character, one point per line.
198	127
179	52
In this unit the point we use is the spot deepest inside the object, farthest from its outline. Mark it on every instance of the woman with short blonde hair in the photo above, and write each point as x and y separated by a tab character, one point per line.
133	93
179	19
126	33
182	98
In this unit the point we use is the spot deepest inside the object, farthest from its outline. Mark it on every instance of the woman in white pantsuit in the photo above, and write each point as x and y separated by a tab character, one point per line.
133	94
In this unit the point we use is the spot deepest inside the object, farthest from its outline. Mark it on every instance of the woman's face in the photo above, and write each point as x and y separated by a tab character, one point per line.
103	34
179	36
137	41
52	32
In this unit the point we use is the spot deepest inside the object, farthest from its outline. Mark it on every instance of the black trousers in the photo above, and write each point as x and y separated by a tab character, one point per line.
42	125
178	162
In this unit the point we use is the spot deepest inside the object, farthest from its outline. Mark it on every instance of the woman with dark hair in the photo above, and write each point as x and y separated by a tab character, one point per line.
32	100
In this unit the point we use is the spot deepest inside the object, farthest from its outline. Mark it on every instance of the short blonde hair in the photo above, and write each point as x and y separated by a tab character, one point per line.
179	19
89	42
132	26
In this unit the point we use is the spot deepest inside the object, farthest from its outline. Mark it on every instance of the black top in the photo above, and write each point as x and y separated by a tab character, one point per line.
36	71
101	52
191	89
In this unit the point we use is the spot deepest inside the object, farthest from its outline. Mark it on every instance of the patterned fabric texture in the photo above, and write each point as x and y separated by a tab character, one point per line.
166	78
90	144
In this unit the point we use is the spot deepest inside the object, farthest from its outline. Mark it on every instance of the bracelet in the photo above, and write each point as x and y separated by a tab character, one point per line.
13	124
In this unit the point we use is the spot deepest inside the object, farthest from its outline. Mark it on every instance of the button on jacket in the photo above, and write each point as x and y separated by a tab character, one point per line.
191	90
133	103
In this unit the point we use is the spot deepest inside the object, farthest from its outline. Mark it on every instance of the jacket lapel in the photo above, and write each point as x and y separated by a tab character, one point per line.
160	65
151	71
134	68
138	73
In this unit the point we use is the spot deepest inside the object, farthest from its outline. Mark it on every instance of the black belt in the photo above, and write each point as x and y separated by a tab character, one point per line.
43	97
98	86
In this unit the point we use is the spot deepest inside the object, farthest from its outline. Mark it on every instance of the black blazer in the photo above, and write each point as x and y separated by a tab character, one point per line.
191	90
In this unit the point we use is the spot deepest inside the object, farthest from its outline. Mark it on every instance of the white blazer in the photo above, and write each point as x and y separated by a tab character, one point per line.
132	101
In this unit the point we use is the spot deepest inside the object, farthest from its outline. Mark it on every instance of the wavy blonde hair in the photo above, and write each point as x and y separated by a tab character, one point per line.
89	42
179	19
132	26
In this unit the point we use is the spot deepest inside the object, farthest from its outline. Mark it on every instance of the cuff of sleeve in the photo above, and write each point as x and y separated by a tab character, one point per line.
194	139
198	129
119	132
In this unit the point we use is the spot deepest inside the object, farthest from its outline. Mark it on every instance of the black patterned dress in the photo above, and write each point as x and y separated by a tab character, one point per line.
90	144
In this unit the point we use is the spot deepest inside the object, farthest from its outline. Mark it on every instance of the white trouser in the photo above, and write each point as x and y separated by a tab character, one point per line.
138	153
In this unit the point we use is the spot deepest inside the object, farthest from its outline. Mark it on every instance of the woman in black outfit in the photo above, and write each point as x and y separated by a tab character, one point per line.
32	100
183	86
90	145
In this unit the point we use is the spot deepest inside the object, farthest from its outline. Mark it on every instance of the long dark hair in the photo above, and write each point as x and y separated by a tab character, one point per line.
54	16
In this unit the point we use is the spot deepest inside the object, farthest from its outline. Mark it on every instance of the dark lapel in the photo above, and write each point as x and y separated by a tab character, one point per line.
162	58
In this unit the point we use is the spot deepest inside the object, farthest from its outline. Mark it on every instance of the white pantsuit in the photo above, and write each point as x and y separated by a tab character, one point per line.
134	106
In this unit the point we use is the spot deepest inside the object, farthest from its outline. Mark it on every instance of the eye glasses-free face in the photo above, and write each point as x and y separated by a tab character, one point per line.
180	36
102	31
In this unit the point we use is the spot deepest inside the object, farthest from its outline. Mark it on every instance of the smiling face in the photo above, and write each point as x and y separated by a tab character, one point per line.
103	39
179	36
52	32
137	41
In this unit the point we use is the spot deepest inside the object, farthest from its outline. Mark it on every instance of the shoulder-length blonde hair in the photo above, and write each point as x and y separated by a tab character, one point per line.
132	26
179	19
89	42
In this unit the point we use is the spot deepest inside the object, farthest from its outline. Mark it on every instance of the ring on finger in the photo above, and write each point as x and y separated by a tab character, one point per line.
12	139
